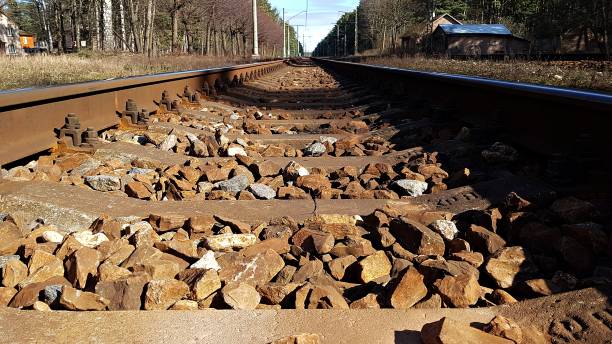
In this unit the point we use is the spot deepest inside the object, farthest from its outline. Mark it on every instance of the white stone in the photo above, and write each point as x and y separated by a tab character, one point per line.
192	138
87	166
315	149
411	187
137	170
207	261
87	238
205	187
235	184
447	229
262	191
294	167
139	227
169	142
329	139
104	183
167	236
242	142
53	236
226	241
32	165
223	141
236	150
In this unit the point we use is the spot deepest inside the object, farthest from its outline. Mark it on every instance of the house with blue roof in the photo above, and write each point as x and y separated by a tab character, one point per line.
477	40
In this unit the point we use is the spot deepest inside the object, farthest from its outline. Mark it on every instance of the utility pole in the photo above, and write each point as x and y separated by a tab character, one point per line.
305	27
255	34
284	36
288	24
298	39
356	41
337	40
344	51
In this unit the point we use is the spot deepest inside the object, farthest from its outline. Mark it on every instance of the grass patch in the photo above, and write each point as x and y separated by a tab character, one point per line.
593	75
41	71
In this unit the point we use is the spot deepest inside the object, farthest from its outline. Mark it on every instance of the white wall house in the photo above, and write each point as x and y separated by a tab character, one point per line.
9	37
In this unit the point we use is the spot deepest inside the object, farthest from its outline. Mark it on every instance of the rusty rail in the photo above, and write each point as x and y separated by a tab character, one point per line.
29	118
548	120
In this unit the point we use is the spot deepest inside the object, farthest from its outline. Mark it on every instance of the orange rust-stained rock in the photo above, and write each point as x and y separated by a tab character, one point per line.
161	294
12	273
409	290
77	300
461	291
124	293
374	266
82	265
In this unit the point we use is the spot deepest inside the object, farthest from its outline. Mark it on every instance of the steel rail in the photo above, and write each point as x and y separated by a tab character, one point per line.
29	118
548	120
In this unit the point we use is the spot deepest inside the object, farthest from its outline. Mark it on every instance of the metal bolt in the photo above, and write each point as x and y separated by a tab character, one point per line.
131	111
91	136
187	93
165	100
72	129
143	116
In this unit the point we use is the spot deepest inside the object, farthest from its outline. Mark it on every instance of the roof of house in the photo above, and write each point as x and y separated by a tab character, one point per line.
423	28
449	18
475	29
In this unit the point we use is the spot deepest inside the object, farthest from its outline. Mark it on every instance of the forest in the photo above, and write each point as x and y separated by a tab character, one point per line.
152	27
382	23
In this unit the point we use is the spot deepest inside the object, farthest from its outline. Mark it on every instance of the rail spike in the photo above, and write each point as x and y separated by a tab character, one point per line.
188	93
72	129
90	137
143	117
166	101
131	111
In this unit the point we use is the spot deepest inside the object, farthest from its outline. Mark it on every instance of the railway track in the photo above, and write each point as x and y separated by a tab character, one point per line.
386	199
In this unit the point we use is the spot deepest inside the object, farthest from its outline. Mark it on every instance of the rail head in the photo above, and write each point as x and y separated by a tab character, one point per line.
586	97
25	96
544	119
30	119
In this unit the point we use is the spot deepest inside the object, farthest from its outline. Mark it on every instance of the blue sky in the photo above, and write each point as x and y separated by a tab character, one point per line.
321	16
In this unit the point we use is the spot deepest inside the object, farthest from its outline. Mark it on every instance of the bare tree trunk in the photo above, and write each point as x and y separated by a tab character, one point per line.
384	39
216	43
174	17
148	34
202	43
108	35
134	23
122	32
233	42
152	29
208	34
59	20
45	20
95	25
79	23
224	44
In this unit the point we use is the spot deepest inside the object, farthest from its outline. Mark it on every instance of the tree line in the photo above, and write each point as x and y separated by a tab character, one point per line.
381	23
208	27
